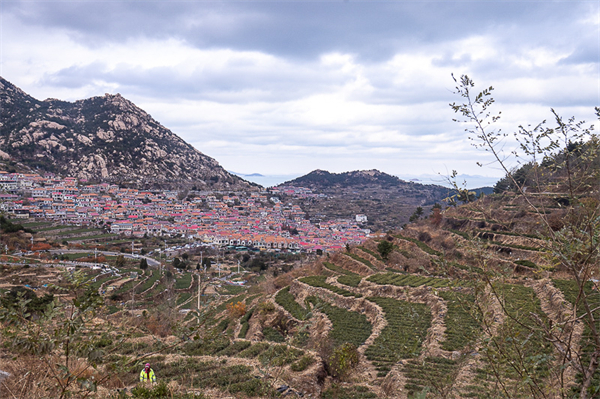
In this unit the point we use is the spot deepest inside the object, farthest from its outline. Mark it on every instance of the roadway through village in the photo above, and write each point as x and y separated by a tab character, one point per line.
151	261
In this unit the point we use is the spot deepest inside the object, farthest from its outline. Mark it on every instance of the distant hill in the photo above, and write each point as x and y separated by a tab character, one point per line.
387	200
320	179
484	190
105	138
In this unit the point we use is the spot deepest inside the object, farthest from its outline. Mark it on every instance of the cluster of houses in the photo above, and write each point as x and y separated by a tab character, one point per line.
250	219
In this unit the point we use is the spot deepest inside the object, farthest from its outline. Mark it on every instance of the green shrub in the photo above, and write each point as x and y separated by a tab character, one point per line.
251	298
254	350
145	392
334	268
570	290
280	355
270	334
301	338
352	281
515	340
288	302
161	391
302	364
526	263
207	346
353	392
253	387
244	321
385	248
234	348
343	359
464	235
266	307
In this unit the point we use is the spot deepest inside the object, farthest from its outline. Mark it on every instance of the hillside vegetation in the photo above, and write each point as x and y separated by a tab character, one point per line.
495	297
386	200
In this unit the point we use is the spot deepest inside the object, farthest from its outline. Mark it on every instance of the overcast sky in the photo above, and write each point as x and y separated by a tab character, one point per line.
286	87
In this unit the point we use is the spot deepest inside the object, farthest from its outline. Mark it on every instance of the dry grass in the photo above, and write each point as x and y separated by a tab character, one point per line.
34	377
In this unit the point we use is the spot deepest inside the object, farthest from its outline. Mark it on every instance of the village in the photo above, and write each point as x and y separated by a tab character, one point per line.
242	219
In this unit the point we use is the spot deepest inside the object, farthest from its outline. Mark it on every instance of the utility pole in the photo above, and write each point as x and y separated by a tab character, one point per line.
199	283
95	255
238	266
160	270
131	248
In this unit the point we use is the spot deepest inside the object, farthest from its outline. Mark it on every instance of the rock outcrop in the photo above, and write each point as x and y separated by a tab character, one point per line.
105	138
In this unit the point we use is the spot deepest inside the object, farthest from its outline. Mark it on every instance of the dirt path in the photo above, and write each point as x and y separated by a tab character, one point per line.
493	317
560	313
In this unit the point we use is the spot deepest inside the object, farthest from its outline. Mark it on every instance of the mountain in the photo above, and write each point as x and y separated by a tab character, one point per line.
105	138
322	179
386	200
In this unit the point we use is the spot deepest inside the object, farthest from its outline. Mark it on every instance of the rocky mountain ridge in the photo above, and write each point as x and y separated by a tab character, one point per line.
322	179
104	138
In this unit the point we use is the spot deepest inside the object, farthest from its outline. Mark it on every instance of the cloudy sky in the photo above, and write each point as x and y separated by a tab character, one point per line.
286	87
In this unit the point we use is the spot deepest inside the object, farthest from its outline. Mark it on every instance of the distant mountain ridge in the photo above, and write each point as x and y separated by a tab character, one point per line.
321	179
104	138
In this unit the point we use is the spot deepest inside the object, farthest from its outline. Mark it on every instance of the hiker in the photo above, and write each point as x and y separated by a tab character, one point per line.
147	374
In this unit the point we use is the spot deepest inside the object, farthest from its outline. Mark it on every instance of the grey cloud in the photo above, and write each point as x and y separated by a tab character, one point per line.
586	52
299	30
449	60
237	84
74	76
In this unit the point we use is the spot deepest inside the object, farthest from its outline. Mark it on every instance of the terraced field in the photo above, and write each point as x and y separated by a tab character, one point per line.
319	281
571	293
347	277
347	326
402	337
362	260
183	282
436	375
411	280
463	320
514	341
434	319
288	302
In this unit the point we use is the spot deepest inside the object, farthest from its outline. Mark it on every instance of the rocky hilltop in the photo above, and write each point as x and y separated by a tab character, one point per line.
321	179
105	138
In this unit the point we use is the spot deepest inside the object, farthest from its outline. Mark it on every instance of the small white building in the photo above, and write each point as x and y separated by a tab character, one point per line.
361	218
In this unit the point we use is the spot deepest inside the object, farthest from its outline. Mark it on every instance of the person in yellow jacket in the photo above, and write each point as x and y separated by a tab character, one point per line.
147	374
